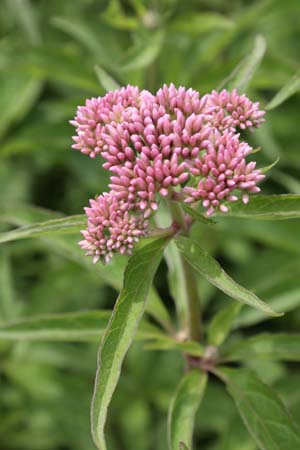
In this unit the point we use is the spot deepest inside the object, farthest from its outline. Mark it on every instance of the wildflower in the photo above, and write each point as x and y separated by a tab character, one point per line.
234	111
110	228
173	144
223	169
91	119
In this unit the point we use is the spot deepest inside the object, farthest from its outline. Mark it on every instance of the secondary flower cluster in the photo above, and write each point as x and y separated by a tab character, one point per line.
173	144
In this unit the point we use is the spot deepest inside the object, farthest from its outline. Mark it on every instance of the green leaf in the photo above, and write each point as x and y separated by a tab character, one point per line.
62	66
213	272
276	347
286	301
54	234
242	75
201	23
196	214
267	207
145	52
279	234
68	224
25	14
8	304
221	324
18	93
106	81
79	326
262	411
121	330
289	89
270	166
84	34
115	17
289	182
164	342
183	408
24	215
70	327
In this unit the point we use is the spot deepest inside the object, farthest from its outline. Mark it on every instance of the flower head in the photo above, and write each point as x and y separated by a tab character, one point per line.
111	228
234	111
222	170
172	144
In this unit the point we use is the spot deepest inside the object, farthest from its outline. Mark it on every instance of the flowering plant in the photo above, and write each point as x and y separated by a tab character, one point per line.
185	151
179	272
177	161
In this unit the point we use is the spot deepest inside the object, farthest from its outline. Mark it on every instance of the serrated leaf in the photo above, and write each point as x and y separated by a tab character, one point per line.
205	264
262	411
242	75
289	89
183	408
276	347
267	207
221	324
196	214
70	327
106	81
68	224
121	330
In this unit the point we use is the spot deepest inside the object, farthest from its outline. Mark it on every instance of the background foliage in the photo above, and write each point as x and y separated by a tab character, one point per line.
48	55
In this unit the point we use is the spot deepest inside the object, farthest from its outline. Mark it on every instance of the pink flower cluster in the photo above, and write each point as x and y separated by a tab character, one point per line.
110	229
173	144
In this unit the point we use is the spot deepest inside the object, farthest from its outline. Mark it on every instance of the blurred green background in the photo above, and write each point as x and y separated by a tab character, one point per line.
48	54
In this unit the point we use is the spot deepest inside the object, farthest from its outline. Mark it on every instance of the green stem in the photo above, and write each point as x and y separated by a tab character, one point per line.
193	300
194	306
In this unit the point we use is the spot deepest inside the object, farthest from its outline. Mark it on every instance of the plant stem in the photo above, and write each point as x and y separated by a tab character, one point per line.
194	306
190	280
